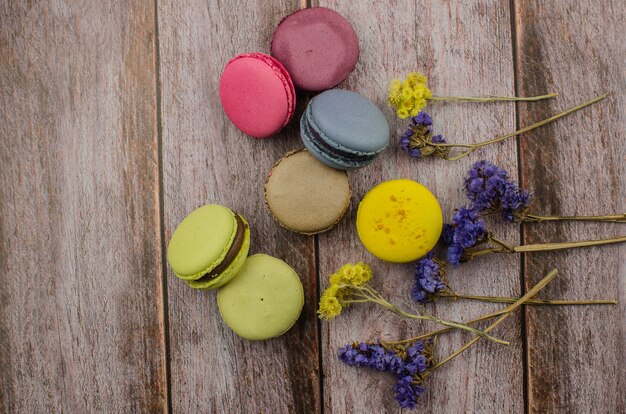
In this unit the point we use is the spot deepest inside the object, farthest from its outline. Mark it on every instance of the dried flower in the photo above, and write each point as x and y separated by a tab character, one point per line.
468	229
428	278
419	140
409	364
430	285
349	286
352	274
409	96
412	361
490	190
330	305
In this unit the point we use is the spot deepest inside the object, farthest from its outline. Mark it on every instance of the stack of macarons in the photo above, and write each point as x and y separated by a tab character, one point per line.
259	297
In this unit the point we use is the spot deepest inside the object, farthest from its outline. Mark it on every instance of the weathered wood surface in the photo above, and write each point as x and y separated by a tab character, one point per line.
111	132
80	250
576	356
465	50
206	159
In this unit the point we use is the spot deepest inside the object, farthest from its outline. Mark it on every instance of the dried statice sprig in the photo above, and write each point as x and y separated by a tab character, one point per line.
430	285
409	364
349	286
418	139
468	233
411	95
427	145
411	360
490	190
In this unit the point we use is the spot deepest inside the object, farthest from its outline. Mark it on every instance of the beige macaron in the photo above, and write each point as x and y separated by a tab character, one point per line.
306	196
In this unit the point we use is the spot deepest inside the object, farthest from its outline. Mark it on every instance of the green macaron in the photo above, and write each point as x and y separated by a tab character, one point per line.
264	300
209	247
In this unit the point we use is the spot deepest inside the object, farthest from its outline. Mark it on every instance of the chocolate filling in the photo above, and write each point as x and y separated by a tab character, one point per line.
235	247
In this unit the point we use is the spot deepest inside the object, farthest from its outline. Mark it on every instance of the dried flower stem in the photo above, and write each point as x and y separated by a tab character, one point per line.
509	309
500	299
501	312
616	218
541	247
491	98
367	294
473	147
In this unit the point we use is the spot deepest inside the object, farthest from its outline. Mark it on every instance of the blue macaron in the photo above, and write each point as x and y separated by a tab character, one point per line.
343	129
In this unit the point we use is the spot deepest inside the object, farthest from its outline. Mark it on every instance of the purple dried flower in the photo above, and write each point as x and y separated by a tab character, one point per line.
374	356
408	369
347	355
468	230
428	281
406	392
422	119
418	139
454	255
489	188
438	139
447	233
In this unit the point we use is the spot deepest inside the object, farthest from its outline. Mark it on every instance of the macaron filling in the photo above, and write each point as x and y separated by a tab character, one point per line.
324	150
231	255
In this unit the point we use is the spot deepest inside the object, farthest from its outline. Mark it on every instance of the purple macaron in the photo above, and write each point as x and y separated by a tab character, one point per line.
317	46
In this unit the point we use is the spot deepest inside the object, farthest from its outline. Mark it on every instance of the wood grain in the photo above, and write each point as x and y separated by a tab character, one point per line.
80	303
465	48
576	356
207	160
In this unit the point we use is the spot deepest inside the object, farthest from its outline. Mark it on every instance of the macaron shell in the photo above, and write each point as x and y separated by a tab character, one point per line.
324	155
257	94
399	221
317	46
350	121
201	241
231	271
264	300
305	195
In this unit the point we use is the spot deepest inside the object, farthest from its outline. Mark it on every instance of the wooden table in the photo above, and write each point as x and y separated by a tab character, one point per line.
111	132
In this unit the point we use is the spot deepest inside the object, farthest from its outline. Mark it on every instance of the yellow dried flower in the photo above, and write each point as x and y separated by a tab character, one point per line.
394	91
352	274
330	306
410	96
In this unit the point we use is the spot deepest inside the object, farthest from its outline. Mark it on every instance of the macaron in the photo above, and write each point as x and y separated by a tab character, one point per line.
264	300
209	246
399	221
318	47
257	94
343	129
306	196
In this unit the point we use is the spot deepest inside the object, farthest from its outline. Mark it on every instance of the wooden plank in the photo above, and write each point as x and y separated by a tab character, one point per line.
80	255
206	159
576	355
466	49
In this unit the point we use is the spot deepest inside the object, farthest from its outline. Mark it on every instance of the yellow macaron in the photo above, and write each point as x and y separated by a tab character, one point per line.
399	221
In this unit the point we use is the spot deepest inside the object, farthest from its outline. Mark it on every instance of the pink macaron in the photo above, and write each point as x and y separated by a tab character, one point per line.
318	47
257	94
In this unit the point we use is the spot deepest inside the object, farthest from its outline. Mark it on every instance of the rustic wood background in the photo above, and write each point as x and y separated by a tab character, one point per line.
111	132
